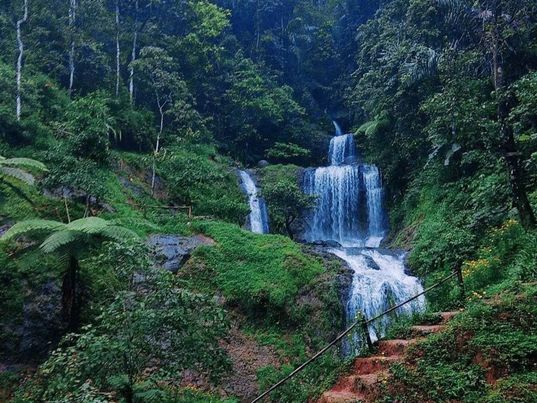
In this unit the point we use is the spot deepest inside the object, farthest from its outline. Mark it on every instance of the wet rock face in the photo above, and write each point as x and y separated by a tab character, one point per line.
343	274
42	325
39	329
171	252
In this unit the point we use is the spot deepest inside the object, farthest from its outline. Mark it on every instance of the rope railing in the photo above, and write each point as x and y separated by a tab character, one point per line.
346	332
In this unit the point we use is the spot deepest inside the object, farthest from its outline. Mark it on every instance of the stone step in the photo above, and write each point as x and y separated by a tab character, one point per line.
395	347
426	330
371	365
340	397
447	316
367	386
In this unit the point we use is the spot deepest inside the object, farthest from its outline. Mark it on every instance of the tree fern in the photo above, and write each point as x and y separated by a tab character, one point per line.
117	233
70	241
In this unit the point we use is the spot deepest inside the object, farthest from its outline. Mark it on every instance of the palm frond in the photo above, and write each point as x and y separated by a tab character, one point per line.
24	162
423	64
30	226
88	225
59	239
16	173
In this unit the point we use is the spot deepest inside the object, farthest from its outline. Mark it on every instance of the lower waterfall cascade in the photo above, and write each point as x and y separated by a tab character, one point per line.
349	210
258	218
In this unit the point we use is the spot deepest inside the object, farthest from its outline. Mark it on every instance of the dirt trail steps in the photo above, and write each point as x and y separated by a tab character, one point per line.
361	384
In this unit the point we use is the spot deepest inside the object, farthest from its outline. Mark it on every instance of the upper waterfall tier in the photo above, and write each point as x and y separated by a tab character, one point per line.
342	150
349	206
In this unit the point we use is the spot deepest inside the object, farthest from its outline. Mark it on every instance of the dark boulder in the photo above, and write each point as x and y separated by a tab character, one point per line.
171	252
263	164
327	244
371	264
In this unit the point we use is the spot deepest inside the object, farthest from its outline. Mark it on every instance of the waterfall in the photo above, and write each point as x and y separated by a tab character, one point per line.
339	132
350	211
258	217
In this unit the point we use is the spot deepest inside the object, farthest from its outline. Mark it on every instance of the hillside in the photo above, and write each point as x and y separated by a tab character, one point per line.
179	222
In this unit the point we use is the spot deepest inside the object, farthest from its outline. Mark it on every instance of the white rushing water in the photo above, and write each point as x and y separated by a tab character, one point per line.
350	211
258	217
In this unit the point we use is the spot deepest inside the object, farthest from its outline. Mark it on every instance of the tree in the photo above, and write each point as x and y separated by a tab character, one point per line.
502	29
161	80
71	241
87	127
20	44
285	199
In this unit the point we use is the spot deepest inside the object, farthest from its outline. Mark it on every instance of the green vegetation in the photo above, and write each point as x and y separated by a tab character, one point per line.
491	340
120	117
71	241
286	200
133	333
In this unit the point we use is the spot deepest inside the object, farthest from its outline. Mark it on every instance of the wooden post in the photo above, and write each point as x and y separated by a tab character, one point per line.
460	280
365	329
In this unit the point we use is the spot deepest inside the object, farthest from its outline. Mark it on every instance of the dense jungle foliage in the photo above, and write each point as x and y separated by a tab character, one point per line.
122	120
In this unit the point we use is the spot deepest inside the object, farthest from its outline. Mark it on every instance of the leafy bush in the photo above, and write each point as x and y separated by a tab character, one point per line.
195	175
492	340
164	323
87	127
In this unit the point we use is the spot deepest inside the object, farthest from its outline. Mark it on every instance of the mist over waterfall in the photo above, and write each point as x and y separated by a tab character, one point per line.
258	217
349	210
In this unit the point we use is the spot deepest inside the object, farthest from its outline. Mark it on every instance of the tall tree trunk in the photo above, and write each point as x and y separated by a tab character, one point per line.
72	21
516	173
71	295
507	138
288	223
118	50
133	54
20	59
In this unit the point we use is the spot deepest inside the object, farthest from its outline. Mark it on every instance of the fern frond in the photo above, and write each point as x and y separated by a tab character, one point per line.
30	226
24	162
118	234
373	127
19	174
88	225
59	239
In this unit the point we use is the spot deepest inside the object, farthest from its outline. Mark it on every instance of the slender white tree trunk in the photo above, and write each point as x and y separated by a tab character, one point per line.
72	20
161	107
133	55
20	59
118	50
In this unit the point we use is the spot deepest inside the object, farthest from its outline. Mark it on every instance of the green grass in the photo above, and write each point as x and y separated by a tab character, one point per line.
260	273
